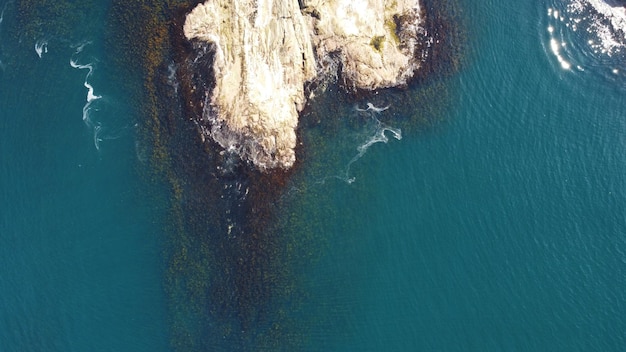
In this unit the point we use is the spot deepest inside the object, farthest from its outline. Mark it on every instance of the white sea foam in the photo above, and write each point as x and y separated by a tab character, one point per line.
90	91
91	98
375	131
371	107
41	47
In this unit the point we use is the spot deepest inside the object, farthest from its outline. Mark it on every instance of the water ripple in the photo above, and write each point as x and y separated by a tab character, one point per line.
586	36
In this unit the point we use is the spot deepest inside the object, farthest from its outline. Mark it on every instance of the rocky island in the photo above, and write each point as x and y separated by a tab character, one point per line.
266	50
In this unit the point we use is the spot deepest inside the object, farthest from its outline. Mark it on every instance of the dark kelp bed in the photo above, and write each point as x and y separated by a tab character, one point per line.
239	240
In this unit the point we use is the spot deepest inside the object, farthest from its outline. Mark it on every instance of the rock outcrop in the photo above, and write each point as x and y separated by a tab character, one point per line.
376	39
265	51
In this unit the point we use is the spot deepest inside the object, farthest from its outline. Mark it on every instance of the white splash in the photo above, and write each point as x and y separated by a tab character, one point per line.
378	135
41	47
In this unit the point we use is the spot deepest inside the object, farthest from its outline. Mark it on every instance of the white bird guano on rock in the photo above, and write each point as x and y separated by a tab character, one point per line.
265	51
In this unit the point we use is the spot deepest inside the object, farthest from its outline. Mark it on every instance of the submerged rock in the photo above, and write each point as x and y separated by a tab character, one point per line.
265	51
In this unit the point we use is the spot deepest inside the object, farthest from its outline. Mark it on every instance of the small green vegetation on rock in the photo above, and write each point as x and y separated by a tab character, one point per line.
392	27
377	42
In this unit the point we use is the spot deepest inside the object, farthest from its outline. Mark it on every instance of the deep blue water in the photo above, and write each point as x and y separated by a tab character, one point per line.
499	227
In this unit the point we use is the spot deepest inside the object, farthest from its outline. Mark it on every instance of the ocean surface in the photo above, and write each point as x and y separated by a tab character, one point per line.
497	223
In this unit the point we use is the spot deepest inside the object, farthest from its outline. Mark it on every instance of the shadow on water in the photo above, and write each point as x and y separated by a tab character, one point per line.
239	240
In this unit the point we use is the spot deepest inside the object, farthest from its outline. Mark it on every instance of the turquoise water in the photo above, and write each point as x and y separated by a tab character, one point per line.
80	244
501	228
498	226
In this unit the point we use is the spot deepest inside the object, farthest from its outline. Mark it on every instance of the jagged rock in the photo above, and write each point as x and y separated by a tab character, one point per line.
376	39
264	54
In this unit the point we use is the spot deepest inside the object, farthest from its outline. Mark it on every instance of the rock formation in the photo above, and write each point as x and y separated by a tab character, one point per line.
265	51
376	39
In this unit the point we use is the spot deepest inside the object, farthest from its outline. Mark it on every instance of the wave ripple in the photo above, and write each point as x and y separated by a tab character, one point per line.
587	35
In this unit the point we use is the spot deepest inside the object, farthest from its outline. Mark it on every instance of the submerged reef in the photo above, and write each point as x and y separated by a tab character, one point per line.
263	56
264	51
238	240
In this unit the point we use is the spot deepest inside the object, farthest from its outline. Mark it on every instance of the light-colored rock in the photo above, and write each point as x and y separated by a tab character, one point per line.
377	39
264	54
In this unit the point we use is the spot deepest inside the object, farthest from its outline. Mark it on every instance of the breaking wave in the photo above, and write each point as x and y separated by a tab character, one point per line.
587	36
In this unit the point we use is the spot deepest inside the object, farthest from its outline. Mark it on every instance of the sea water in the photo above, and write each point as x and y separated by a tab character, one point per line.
498	226
80	243
502	228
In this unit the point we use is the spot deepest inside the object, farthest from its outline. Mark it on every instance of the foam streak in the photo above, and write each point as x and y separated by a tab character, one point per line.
41	47
91	96
4	8
377	134
90	91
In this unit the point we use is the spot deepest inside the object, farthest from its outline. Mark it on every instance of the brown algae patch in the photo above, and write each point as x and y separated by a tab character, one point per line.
227	273
239	240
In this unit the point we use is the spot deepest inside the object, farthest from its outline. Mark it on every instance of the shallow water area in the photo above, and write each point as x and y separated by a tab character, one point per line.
481	210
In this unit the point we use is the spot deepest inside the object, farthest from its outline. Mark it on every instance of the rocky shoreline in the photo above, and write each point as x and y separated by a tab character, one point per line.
265	51
236	234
